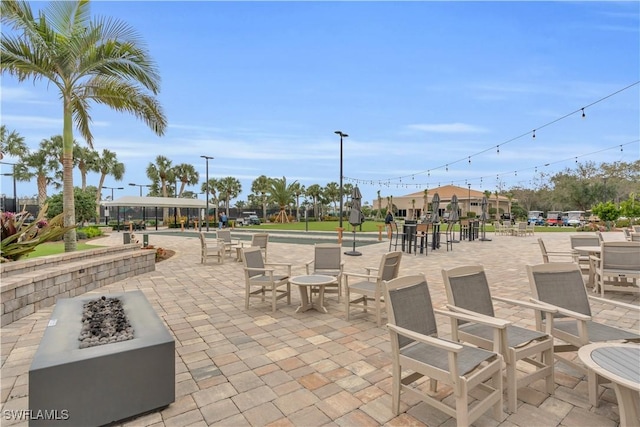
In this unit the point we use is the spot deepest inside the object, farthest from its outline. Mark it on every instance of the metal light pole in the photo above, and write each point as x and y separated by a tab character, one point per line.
112	188
144	208
342	135
207	158
469	198
140	185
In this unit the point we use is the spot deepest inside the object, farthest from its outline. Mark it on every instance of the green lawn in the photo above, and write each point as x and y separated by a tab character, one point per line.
53	248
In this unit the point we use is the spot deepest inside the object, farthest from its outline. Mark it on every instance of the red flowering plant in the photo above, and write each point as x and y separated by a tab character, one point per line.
20	237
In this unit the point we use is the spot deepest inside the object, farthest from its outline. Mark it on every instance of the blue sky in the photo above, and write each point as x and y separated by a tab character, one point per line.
262	86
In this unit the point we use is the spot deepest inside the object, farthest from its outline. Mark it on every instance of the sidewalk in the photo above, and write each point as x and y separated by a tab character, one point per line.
237	367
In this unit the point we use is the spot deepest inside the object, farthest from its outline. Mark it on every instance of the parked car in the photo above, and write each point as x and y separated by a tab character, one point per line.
248	218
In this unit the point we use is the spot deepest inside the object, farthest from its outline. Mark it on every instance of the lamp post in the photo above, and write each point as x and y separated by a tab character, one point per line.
469	185
342	135
140	185
106	217
112	188
144	208
207	158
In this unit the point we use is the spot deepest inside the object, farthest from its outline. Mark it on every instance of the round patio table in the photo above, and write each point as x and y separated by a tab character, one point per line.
306	282
620	364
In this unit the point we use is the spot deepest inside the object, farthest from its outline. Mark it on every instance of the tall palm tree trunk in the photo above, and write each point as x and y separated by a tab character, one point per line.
67	179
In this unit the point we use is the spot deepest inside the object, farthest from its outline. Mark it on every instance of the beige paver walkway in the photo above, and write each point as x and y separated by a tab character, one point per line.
237	367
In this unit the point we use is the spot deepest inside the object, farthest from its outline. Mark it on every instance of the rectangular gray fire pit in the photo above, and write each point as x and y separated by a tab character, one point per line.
69	386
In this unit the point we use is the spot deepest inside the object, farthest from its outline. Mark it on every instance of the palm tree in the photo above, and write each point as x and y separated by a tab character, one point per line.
160	174
101	60
87	162
298	189
107	164
213	187
12	143
283	195
259	187
332	193
314	191
187	175
41	166
229	188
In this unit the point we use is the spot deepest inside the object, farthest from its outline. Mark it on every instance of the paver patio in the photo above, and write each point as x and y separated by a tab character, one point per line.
237	367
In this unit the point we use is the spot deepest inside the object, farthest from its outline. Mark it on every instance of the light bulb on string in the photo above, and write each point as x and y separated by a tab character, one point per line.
469	159
534	134
621	148
447	168
583	114
498	149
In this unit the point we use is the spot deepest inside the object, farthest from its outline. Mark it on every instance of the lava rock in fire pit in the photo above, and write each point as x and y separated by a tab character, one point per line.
103	322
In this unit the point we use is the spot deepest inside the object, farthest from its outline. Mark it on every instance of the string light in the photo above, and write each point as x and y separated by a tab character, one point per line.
583	114
534	134
498	149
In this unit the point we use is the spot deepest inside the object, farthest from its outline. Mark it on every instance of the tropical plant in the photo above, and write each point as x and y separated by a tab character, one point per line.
332	193
20	238
314	191
229	188
631	207
607	212
41	166
160	174
260	187
84	200
87	162
101	60
298	190
186	174
107	164
11	143
212	185
283	195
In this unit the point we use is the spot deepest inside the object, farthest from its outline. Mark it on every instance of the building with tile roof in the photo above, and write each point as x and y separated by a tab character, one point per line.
413	205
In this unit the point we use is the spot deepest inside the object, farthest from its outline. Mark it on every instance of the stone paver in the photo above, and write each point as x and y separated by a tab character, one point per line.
238	367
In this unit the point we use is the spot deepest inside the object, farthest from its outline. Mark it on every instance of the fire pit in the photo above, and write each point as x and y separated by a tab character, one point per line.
101	384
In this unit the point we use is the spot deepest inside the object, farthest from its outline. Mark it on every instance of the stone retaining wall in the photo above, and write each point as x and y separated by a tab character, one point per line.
29	285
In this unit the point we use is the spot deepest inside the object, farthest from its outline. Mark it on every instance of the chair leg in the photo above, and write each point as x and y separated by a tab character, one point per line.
548	361
396	384
512	387
592	385
462	407
274	297
247	293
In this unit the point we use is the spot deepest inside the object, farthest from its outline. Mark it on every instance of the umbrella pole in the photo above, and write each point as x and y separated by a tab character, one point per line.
353	252
484	233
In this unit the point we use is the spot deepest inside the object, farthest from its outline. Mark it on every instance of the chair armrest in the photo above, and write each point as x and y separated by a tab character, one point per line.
425	339
264	270
364	276
616	303
278	264
370	269
471	316
548	309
